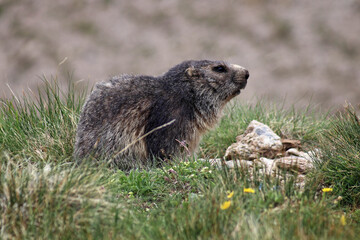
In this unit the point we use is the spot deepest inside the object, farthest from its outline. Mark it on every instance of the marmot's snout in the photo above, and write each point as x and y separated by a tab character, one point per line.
241	76
247	75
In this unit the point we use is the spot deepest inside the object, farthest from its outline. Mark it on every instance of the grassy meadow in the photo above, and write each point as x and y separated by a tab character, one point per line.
45	195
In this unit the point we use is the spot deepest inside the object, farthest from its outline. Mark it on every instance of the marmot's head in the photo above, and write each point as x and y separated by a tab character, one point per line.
219	79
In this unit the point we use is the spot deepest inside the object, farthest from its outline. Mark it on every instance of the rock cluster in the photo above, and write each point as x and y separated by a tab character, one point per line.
259	146
257	140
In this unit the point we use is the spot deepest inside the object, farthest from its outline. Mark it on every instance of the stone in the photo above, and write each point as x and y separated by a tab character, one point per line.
239	163
290	143
295	152
294	164
257	141
300	181
315	154
269	165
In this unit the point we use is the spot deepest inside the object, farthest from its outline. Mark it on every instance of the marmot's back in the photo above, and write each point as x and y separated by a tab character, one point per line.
120	111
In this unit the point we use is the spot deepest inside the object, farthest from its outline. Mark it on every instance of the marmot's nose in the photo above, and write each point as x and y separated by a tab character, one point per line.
247	75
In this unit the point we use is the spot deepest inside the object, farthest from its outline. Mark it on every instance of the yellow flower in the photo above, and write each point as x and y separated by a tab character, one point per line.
327	189
230	194
225	205
343	220
249	190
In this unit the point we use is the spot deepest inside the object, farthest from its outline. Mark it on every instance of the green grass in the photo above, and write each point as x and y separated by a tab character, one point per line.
341	151
41	124
45	195
303	125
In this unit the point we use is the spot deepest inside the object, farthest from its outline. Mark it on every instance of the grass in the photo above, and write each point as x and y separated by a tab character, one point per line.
43	124
303	125
341	148
45	195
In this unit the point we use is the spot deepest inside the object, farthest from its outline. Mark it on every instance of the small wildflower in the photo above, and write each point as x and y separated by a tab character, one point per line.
225	205
249	190
343	220
327	189
230	194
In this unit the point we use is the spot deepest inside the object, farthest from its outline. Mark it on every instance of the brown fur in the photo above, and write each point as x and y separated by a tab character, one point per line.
120	111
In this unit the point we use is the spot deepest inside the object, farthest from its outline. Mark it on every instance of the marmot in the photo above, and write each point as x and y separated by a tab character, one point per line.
186	101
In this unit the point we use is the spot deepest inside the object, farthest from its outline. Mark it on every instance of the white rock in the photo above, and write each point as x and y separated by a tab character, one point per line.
295	152
315	154
239	163
294	164
300	181
269	165
258	140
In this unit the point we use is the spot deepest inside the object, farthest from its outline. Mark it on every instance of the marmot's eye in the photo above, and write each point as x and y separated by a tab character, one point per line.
219	69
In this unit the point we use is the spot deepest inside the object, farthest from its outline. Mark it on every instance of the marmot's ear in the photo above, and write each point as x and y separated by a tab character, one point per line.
192	72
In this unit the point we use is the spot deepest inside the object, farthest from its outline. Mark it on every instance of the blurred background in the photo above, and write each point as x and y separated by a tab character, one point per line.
297	52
